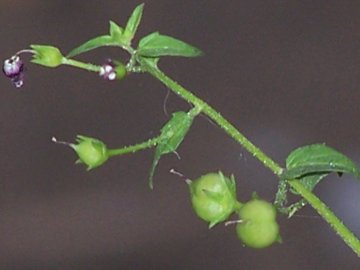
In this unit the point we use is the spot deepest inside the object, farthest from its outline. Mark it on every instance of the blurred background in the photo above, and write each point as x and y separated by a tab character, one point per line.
286	73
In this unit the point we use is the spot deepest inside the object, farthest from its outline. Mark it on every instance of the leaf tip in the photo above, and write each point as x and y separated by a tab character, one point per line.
151	184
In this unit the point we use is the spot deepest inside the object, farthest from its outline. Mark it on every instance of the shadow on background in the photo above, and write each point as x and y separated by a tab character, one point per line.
285	72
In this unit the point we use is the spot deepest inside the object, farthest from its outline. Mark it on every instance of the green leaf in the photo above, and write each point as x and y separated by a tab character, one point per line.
147	62
310	181
171	136
116	32
311	163
93	44
133	23
156	45
145	40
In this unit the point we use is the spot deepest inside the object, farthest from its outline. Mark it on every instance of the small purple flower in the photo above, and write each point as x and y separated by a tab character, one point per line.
13	68
108	70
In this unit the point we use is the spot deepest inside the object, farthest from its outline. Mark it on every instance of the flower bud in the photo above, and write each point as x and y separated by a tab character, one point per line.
48	56
13	68
112	70
213	197
92	152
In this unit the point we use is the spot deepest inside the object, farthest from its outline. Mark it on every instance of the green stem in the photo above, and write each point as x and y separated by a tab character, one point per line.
147	144
78	64
349	238
134	148
214	115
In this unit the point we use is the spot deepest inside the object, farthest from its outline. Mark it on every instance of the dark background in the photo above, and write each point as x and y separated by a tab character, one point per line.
285	72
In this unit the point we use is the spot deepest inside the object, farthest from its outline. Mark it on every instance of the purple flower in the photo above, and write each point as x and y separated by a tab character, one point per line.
13	68
108	70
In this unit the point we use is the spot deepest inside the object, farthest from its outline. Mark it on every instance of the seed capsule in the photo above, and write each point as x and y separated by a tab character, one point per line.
257	227
213	197
92	152
48	56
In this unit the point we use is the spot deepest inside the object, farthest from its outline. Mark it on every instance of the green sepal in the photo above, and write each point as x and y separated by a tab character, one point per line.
255	196
91	151
214	222
311	163
46	55
171	136
231	184
156	45
213	197
279	239
191	186
133	24
212	194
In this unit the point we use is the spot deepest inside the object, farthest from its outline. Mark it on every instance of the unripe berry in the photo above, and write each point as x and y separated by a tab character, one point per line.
258	234
258	211
92	152
257	227
213	197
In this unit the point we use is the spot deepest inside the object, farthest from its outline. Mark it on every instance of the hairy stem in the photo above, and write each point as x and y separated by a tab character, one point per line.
215	116
81	65
134	148
348	237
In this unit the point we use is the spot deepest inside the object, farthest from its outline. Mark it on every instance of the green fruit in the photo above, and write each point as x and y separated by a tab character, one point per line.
258	211
213	197
92	152
258	227
258	234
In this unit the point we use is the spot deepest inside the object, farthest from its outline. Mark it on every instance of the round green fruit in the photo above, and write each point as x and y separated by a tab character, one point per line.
258	234
257	227
258	210
92	152
213	197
